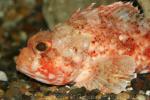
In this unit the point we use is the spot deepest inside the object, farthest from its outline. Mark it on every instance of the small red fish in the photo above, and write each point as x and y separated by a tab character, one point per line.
98	48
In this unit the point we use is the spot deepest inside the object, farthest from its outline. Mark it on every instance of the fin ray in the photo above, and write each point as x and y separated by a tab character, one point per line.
106	77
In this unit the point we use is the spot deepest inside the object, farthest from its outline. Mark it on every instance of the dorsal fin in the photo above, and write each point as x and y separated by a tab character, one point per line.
93	16
120	10
111	17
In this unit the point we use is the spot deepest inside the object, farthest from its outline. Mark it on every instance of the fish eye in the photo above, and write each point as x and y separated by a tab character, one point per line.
41	46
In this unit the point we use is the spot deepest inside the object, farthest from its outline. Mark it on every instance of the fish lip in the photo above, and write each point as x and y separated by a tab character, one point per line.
32	76
25	71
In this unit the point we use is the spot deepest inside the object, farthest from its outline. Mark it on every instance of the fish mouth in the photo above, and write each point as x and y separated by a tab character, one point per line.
26	72
33	76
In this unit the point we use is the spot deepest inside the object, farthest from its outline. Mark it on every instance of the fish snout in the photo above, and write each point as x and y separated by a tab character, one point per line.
25	59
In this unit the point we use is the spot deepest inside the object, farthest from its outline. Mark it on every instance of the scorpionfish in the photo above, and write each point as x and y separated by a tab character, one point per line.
96	48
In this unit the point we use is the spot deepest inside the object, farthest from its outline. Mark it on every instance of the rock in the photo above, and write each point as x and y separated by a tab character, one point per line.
15	90
3	76
141	82
38	95
109	97
14	11
53	88
148	93
98	97
4	85
137	84
46	91
1	93
140	97
51	97
63	89
77	93
92	94
123	96
26	97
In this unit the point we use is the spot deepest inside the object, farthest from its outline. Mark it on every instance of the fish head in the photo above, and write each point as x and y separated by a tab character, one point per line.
41	61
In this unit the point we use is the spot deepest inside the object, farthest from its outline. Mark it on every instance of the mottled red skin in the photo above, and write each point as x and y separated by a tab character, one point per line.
48	65
131	46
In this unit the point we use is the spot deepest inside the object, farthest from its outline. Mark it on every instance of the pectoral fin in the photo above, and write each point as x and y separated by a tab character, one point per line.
109	74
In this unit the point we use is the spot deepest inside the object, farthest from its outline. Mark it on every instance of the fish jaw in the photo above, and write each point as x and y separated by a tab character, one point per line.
28	63
25	62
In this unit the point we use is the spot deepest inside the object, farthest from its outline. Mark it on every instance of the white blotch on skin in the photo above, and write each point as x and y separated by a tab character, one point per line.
77	58
59	61
120	52
86	39
84	75
67	69
123	37
30	59
85	44
38	74
101	48
68	53
112	46
51	76
35	64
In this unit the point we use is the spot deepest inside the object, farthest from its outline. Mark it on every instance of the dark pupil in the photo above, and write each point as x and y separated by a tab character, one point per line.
41	46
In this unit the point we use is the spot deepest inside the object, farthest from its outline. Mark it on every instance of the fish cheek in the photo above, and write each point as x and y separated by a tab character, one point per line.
47	67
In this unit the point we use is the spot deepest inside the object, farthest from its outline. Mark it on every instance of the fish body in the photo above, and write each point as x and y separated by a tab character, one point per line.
98	48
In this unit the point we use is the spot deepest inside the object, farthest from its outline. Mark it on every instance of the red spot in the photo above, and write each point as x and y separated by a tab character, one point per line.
47	67
147	52
43	72
131	45
147	36
137	84
92	53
